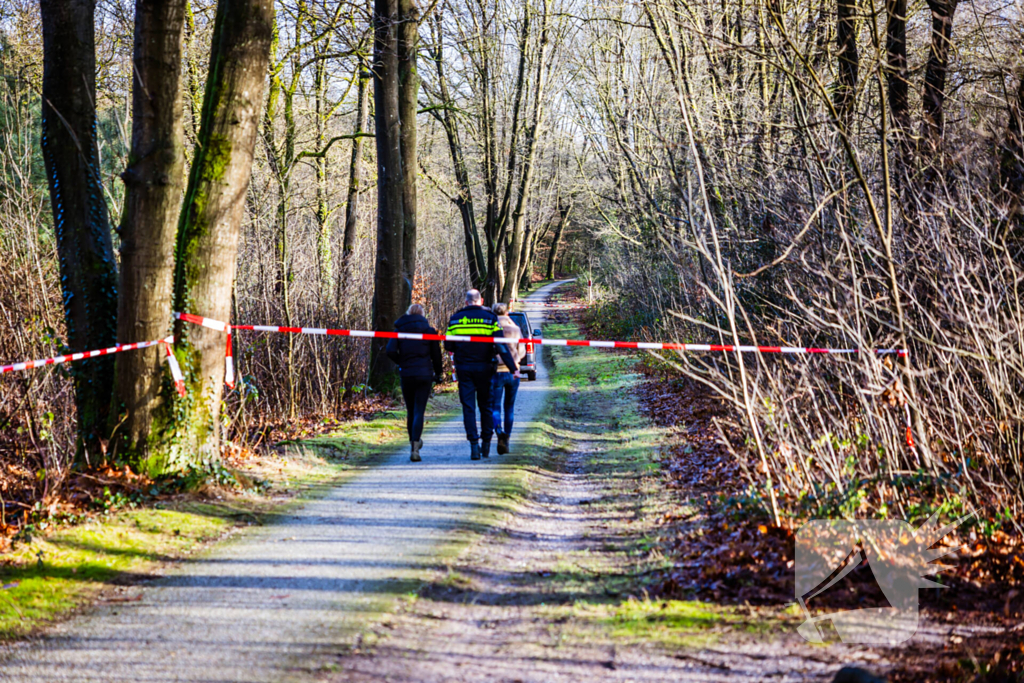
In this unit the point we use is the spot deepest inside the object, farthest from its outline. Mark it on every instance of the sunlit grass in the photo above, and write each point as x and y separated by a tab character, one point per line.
59	572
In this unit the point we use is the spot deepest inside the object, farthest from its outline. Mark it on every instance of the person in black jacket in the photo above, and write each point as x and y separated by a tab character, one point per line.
419	366
475	365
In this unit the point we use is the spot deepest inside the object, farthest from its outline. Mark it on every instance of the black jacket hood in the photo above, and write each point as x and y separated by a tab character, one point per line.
413	323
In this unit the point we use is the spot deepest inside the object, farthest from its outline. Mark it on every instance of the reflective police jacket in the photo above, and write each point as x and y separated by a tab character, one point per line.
477	321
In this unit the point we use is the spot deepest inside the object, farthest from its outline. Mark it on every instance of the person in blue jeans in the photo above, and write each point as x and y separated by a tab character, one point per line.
505	383
419	367
474	368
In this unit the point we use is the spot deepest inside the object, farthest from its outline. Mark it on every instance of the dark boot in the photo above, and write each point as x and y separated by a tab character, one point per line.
474	450
502	444
415	451
485	449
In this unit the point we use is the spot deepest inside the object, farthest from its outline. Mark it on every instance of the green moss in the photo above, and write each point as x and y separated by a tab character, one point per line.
670	623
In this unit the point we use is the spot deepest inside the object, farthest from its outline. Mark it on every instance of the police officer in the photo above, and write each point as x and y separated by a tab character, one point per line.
475	366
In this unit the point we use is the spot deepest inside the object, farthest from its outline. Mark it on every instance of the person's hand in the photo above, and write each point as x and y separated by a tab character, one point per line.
516	375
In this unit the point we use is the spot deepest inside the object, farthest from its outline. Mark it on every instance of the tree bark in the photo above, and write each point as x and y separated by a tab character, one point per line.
934	95
526	266
80	220
1011	161
323	212
355	179
1011	174
896	74
408	105
849	60
208	231
563	220
389	276
153	182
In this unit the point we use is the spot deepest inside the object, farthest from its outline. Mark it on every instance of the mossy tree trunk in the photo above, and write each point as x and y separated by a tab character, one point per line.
214	205
80	220
153	182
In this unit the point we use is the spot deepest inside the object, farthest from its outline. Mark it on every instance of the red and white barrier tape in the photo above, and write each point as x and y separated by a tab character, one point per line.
172	361
179	379
205	322
654	346
72	357
229	365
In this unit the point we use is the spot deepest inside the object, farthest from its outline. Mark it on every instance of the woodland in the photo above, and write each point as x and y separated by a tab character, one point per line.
843	174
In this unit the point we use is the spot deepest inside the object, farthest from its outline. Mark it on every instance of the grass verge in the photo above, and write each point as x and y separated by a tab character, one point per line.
596	411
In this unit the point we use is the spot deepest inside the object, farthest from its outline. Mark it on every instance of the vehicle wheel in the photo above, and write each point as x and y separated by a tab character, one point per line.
532	376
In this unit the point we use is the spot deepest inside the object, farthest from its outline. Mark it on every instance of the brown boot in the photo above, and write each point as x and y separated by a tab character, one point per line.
415	450
502	444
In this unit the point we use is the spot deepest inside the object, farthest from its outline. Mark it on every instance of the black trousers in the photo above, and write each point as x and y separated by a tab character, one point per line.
474	391
415	391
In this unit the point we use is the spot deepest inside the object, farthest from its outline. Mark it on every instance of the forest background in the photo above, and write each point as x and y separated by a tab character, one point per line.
835	174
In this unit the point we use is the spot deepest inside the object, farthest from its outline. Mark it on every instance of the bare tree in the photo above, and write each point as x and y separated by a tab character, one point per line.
355	176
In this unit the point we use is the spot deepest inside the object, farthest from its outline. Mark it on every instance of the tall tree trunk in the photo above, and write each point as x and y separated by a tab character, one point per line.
207	244
849	61
489	126
526	267
284	197
323	211
1011	168
511	289
896	74
464	198
497	214
934	95
408	104
1011	162
355	179
388	285
80	220
563	220
153	182
281	158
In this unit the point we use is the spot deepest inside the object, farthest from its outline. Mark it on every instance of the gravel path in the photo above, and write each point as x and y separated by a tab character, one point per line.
262	606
